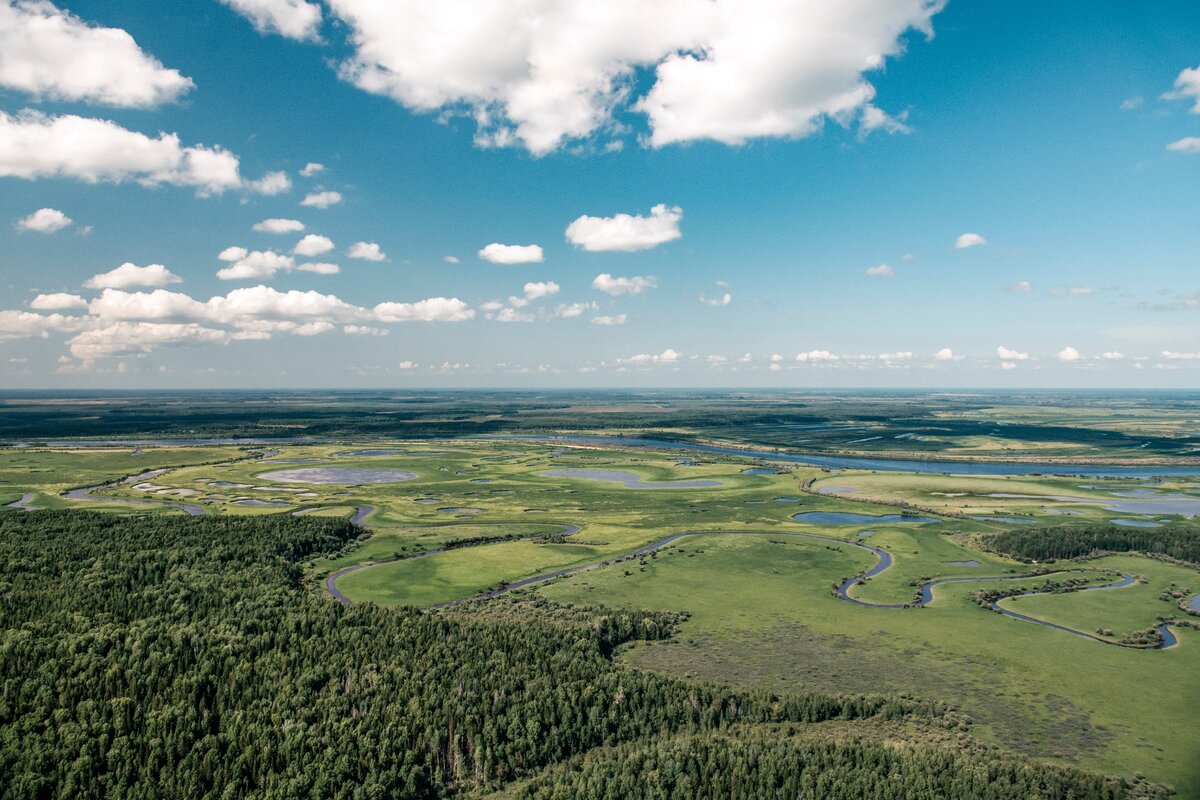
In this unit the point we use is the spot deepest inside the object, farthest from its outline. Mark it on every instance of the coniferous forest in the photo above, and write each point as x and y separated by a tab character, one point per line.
158	656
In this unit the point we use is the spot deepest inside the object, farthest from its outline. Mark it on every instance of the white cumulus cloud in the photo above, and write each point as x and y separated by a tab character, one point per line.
625	232
294	19
946	354
969	240
668	356
541	73
272	183
610	320
1187	87
1188	144
816	355
1068	354
498	253
435	309
1011	355
45	220
312	168
35	145
277	225
52	54
254	265
313	245
58	301
881	271
617	286
366	251
128	275
321	199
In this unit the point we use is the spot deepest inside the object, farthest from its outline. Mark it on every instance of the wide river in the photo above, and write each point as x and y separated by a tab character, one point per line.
886	464
835	462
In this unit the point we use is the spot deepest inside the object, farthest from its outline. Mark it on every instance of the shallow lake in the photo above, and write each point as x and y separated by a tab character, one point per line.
338	475
630	479
844	518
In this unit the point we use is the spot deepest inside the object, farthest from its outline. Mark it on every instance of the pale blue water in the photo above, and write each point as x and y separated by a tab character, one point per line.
844	518
888	464
338	475
630	479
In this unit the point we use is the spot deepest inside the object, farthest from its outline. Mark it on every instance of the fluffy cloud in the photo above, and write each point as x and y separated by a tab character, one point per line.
1006	365
54	55
59	301
35	145
903	355
364	330
969	240
435	309
637	284
255	265
498	253
881	271
294	19
1112	355
26	325
313	245
366	251
511	315
451	259
1187	87
626	232
608	320
876	119
668	356
45	220
120	323
319	268
1011	355
312	168
128	275
1068	354
816	355
321	199
717	302
279	226
259	264
540	289
139	338
573	310
539	73
1189	144
946	354
272	183
159	305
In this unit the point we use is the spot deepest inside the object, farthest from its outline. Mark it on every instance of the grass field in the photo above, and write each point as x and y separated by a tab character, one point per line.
762	615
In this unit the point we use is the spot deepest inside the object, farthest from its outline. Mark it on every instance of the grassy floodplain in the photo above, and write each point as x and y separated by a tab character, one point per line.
763	614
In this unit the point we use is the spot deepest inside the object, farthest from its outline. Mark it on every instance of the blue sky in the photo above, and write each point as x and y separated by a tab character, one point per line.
809	171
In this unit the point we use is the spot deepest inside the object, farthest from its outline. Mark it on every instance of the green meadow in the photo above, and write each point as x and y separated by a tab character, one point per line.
762	610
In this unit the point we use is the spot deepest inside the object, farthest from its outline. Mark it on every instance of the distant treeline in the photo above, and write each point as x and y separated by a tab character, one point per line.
155	657
1044	544
765	765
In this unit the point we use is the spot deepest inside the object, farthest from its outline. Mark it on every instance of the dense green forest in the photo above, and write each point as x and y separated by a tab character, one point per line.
769	764
1044	544
155	656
